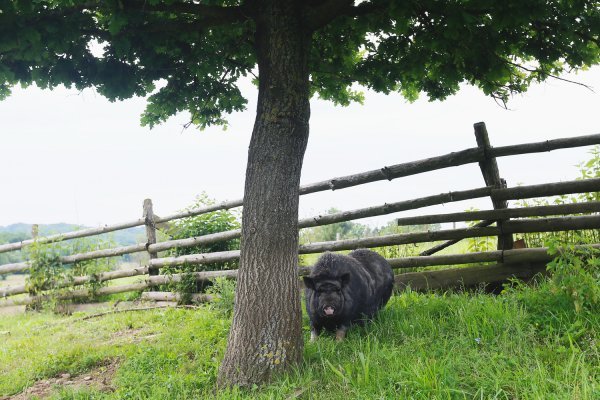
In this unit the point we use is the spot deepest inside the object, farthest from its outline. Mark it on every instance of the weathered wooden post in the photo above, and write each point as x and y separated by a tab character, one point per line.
491	175
150	232
35	231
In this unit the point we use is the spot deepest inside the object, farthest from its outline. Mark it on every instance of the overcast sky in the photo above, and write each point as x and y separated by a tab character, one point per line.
77	158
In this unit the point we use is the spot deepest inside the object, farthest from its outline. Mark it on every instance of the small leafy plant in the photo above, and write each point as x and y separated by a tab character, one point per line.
50	281
477	244
587	170
223	290
185	286
201	225
576	272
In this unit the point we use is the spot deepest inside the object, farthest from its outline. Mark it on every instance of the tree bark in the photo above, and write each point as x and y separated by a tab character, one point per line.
266	333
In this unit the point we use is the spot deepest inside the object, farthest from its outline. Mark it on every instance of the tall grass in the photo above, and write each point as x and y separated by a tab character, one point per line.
527	343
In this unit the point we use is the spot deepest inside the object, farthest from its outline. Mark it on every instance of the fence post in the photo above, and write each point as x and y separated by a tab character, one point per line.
150	232
35	231
491	176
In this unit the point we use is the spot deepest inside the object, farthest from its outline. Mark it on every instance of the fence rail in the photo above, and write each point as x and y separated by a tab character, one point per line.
453	159
503	217
515	258
521	192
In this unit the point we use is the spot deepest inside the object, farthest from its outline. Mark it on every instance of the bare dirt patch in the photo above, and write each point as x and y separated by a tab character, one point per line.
99	378
136	335
12	310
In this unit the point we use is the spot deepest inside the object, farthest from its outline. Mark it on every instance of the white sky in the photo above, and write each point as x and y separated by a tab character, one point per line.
70	157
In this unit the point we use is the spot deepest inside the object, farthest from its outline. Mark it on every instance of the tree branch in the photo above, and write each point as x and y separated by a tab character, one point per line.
212	15
208	15
325	12
546	73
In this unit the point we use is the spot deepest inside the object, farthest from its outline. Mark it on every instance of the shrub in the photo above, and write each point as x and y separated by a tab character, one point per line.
587	170
49	279
205	224
576	272
224	291
200	225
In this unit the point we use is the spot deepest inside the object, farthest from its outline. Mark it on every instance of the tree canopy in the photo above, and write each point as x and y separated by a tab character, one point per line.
189	56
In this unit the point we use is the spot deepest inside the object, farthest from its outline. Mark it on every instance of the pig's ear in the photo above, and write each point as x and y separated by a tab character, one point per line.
308	282
345	279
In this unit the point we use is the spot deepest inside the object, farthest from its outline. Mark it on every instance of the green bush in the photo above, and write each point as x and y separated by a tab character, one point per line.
200	225
205	224
224	291
576	273
50	280
587	170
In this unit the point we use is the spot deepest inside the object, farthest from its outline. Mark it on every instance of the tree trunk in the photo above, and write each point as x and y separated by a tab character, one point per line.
266	333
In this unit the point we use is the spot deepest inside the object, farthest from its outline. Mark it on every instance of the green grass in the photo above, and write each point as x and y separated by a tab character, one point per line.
526	344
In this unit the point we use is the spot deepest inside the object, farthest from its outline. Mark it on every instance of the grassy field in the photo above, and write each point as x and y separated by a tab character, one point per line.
527	343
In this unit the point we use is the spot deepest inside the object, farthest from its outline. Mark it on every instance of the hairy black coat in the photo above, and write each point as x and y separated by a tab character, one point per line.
346	289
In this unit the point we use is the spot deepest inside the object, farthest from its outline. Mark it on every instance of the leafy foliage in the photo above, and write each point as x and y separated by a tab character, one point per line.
224	291
50	280
206	224
576	272
590	169
403	250
337	231
477	244
200	225
46	269
189	56
587	169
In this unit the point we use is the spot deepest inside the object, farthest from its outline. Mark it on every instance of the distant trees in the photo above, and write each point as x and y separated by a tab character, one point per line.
341	230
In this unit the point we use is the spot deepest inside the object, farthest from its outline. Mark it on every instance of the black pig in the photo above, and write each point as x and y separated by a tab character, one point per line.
343	290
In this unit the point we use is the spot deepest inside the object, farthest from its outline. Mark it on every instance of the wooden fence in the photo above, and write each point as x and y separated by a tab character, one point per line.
522	263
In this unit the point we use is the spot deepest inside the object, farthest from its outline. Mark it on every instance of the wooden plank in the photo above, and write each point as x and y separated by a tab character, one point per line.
391	172
537	211
538	225
417	280
442	246
397	171
465	277
534	190
14	267
388	208
76	294
547	189
546	145
491	176
150	232
72	235
168	296
515	256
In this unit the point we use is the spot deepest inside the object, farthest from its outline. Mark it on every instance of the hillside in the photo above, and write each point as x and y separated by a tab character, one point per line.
17	232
